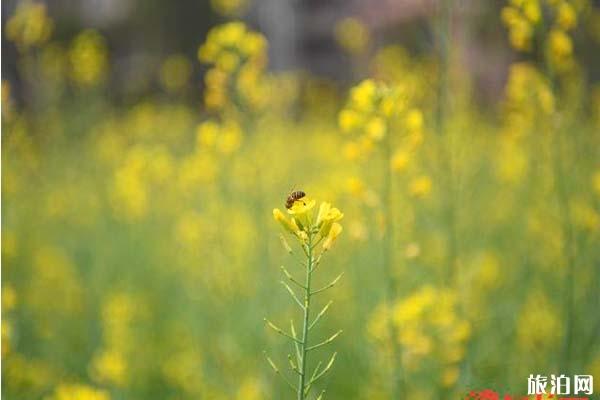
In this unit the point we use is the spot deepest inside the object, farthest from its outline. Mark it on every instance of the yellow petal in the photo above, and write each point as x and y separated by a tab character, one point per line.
334	232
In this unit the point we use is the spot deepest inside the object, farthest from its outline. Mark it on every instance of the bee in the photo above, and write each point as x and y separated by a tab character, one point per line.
294	195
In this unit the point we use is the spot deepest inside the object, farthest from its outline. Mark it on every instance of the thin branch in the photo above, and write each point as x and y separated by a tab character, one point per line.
327	368
330	285
289	289
320	314
292	365
331	339
278	372
281	332
291	278
321	395
317	262
293	330
315	372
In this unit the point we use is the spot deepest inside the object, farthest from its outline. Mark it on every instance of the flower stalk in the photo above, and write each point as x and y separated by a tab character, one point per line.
315	237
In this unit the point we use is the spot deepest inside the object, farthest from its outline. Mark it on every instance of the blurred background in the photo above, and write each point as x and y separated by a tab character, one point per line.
146	143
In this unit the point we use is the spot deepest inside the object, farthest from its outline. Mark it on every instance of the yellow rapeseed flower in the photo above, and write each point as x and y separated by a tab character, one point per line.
288	225
333	234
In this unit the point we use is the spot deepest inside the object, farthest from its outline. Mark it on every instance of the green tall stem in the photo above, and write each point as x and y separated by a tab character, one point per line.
446	150
388	267
562	197
305	323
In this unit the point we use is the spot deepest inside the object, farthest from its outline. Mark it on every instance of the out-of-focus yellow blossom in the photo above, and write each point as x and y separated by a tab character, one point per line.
400	160
29	26
560	49
238	56
374	111
183	369
420	187
566	15
596	182
109	367
352	34
527	20
450	376
75	391
349	120
7	103
538	325
376	128
429	329
225	138
250	389
521	19
9	298
584	215
188	230
175	72
9	245
88	57
196	169
512	162
229	7
55	288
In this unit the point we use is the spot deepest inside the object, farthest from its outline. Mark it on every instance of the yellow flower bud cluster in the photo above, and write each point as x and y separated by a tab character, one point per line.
523	19
303	224
88	57
352	35
429	329
528	95
30	25
371	112
238	56
225	138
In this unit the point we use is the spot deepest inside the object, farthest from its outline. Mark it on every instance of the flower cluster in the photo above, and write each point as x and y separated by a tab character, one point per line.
372	111
428	327
352	35
88	58
238	56
78	392
303	224
30	25
524	18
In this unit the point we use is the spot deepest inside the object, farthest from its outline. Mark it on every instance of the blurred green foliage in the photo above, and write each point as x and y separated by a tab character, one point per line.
140	255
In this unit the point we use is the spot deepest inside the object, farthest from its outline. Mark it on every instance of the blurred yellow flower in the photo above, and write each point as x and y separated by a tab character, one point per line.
109	367
88	56
229	7
29	26
420	187
68	391
352	35
566	16
596	182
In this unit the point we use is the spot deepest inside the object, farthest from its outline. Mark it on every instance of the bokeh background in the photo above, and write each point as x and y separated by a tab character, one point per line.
145	144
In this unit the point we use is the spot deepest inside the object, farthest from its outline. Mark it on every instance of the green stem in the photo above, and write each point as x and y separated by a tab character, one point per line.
305	324
447	148
388	262
562	196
